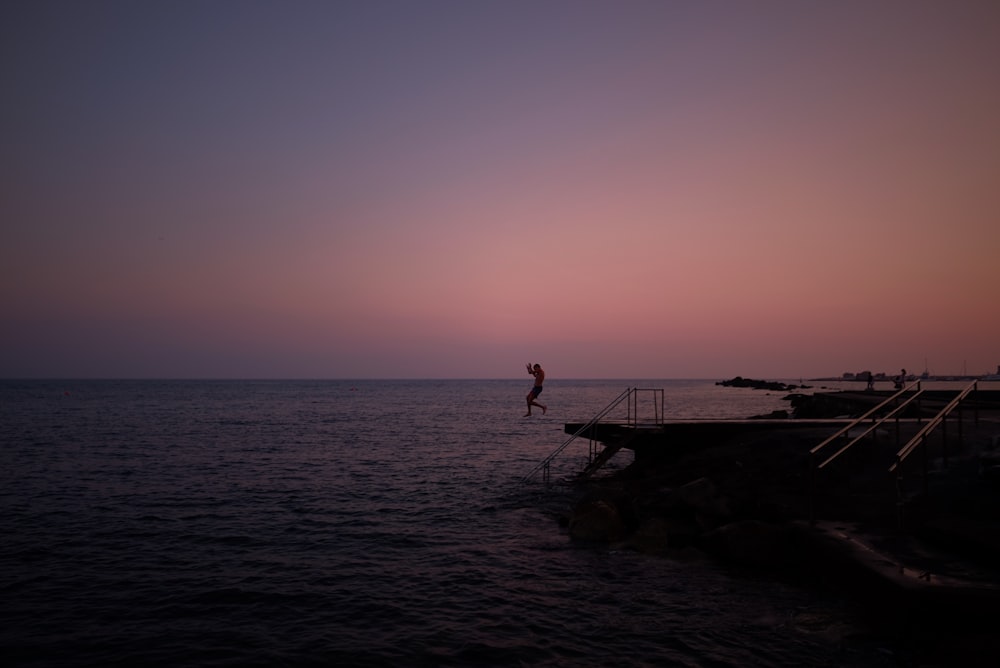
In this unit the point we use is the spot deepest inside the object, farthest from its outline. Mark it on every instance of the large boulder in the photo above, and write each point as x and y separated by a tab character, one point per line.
652	536
597	520
754	543
702	497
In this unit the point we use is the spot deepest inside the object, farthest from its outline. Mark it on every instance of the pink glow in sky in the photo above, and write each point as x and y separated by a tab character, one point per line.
452	189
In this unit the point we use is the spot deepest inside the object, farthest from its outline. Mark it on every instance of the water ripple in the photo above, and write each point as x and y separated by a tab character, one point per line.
263	523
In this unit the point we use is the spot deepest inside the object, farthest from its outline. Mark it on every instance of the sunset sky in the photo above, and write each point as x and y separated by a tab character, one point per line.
619	189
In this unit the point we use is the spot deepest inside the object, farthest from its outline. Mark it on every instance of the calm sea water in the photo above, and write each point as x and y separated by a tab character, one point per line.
358	523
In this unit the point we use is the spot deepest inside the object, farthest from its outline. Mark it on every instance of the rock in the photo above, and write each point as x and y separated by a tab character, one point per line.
740	381
753	543
702	497
652	536
773	415
990	474
597	521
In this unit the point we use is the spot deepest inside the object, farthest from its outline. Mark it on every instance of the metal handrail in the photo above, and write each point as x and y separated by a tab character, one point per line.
813	454
872	427
633	407
933	424
544	464
631	420
869	414
919	439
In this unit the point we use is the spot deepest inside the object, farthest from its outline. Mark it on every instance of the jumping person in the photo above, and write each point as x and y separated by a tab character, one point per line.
539	375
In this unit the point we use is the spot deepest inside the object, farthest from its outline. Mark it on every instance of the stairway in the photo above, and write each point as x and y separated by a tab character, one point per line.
629	400
605	455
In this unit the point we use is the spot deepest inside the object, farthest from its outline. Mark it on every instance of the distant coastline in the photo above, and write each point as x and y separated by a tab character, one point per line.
910	378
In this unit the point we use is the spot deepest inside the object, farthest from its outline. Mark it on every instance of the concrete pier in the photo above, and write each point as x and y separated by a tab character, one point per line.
928	533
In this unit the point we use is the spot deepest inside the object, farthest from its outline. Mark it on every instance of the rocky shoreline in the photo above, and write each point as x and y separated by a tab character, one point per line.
747	501
771	385
747	496
733	499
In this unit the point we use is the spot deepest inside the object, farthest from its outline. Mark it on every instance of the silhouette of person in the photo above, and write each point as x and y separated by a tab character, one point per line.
539	375
901	379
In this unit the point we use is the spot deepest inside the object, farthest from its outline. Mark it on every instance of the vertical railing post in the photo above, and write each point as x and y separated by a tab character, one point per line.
812	489
975	404
961	419
944	439
900	504
923	453
919	411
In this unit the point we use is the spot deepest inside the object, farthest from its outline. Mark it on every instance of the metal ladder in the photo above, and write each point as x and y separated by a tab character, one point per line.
598	458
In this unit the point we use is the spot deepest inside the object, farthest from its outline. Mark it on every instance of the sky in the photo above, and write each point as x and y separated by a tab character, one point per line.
452	189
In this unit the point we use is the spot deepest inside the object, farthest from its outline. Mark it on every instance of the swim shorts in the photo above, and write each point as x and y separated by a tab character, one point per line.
536	390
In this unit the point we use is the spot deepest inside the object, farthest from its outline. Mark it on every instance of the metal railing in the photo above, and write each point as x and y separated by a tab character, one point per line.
939	420
919	440
631	398
633	405
873	414
877	421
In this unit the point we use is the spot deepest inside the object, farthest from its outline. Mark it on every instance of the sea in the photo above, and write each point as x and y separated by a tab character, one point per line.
361	523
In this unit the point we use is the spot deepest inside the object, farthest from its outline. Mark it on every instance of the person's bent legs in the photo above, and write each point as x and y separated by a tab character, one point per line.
531	402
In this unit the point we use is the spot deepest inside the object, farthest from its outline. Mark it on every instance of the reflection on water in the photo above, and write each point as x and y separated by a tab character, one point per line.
362	522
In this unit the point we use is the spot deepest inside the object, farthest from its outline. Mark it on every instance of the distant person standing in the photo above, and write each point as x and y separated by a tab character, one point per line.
871	382
901	379
539	375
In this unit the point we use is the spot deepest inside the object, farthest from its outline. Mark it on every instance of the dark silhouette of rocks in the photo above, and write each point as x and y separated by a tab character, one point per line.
761	482
922	551
773	415
774	386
